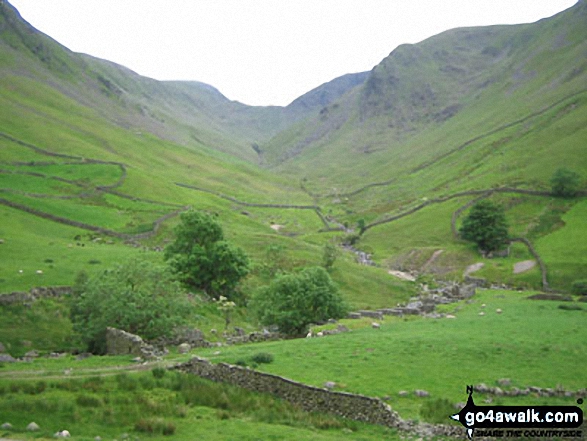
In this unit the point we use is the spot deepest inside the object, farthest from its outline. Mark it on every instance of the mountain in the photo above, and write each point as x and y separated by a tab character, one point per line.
390	157
190	113
425	100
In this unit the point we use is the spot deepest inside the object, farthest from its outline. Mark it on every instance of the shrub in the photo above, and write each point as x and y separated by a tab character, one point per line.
565	183
158	372
437	411
158	303
88	401
155	425
262	357
579	287
293	301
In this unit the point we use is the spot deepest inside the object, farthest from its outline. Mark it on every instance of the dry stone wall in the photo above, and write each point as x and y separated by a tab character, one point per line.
313	399
309	398
34	294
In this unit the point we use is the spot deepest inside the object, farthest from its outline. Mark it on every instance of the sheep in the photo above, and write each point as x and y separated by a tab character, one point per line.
376	325
309	335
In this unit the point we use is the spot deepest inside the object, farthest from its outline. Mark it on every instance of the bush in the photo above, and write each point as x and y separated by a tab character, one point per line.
437	411
579	287
158	372
565	183
155	425
262	357
137	296
293	301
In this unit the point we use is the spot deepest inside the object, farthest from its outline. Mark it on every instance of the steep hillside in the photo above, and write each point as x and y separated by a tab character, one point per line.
426	100
189	113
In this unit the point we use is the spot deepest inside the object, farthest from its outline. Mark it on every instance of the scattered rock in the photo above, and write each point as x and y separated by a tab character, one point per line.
354	315
32	427
2	348
342	328
472	268
421	393
32	354
524	266
184	348
498	311
330	385
7	358
481	313
62	434
83	356
6	426
403	393
450	316
98	438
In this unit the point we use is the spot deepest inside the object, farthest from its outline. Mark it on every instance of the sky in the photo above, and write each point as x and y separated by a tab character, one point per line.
262	52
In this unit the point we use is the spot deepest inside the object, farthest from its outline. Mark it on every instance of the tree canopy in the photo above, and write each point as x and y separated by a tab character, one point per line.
137	296
486	226
202	259
293	301
565	183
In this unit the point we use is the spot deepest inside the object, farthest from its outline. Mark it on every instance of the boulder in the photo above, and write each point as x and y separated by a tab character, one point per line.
330	385
421	393
32	427
7	358
184	348
6	426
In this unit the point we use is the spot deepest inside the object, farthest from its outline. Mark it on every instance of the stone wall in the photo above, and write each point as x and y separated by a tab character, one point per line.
309	398
313	399
34	294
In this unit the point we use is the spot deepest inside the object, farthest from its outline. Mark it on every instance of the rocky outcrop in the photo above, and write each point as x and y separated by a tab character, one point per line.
120	342
34	294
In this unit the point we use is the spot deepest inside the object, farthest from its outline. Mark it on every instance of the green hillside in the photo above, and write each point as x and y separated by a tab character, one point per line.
98	162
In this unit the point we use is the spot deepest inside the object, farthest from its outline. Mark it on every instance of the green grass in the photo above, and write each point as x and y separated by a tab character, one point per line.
441	356
565	250
176	406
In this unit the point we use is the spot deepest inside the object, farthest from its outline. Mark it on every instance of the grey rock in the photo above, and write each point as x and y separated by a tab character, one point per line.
2	348
421	393
83	356
482	388
403	393
32	354
330	385
32	427
7	358
184	348
354	315
504	382
342	328
6	426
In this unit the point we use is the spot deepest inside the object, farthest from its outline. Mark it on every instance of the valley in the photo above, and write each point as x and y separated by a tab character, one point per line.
97	164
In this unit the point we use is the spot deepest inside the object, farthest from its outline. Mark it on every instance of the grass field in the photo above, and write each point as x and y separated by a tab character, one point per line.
533	343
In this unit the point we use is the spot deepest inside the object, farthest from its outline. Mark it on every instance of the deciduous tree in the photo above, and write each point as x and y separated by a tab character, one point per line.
486	226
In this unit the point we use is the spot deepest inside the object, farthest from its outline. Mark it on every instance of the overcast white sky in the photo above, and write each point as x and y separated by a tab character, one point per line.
262	52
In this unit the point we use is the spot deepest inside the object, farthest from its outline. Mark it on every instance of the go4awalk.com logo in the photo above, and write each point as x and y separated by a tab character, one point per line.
520	421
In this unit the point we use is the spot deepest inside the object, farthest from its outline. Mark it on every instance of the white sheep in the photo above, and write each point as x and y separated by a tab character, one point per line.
320	334
376	325
309	335
39	272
